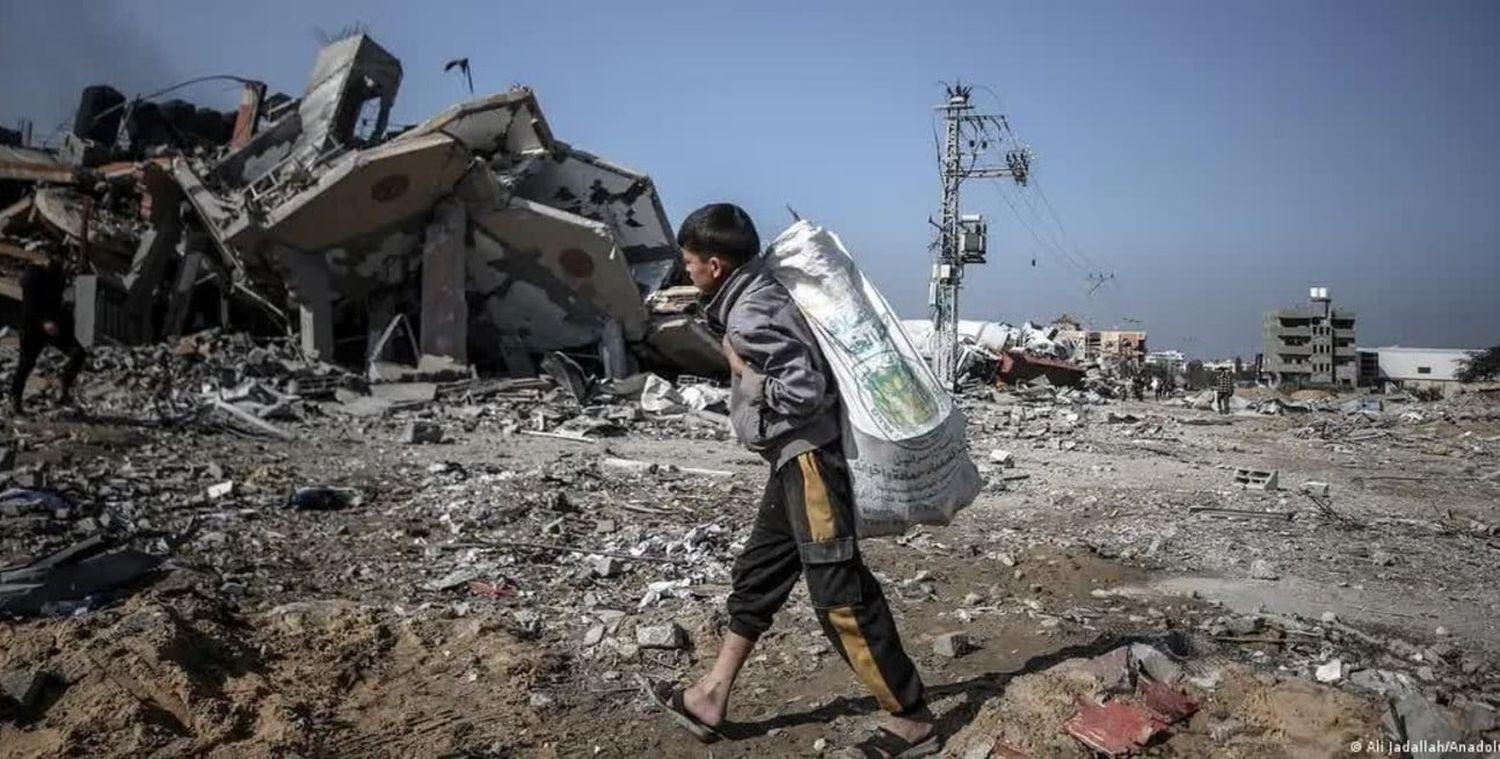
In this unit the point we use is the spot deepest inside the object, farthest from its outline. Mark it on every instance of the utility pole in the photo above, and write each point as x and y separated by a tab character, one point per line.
962	238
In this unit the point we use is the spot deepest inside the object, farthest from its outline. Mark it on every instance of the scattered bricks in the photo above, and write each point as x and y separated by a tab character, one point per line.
1257	479
1004	458
1331	671
1261	569
952	645
667	636
421	432
1315	488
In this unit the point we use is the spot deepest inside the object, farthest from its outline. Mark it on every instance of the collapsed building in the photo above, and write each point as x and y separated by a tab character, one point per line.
474	239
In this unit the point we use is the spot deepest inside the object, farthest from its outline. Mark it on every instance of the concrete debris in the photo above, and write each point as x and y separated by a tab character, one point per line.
952	645
1256	479
1157	665
668	636
1261	569
419	431
24	686
502	242
1428	727
1314	488
1331	671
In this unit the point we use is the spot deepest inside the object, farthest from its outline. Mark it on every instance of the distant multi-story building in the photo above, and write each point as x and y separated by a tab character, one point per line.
1311	344
1115	344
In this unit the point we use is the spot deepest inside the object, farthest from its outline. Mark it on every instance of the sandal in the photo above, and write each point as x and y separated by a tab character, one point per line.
884	744
669	697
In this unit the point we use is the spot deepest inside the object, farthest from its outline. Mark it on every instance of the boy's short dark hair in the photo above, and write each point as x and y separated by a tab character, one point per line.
720	229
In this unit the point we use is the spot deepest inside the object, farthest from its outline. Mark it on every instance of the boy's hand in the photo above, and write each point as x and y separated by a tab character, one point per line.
737	365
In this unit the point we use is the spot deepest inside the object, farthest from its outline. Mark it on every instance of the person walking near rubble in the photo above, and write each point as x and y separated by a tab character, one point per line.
45	321
1156	387
1223	390
784	405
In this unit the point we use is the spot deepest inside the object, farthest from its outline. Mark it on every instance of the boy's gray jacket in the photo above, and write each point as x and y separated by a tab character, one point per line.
788	403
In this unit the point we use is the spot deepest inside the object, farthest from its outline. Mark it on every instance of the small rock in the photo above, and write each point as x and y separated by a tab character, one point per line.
1425	721
594	635
1315	488
1157	665
1261	569
981	749
451	580
541	700
1442	631
420	431
1220	732
972	599
1382	558
1006	559
1004	458
952	645
820	744
214	471
561	504
606	566
668	636
221	490
23	686
1479	718
1329	617
1242	625
1331	671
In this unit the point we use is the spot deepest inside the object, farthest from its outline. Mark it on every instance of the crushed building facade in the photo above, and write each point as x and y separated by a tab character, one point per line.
490	238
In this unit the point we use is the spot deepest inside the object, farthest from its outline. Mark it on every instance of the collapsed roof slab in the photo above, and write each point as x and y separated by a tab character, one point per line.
574	261
369	190
582	183
504	128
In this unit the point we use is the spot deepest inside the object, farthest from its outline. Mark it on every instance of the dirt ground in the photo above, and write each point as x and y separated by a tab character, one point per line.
398	626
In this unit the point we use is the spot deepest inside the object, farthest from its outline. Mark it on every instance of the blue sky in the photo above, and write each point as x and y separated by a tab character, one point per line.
1217	159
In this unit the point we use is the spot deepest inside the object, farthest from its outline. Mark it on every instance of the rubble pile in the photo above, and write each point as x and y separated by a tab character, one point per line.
596	521
475	239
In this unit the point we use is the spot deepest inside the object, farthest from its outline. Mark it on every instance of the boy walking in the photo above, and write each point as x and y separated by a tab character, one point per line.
784	405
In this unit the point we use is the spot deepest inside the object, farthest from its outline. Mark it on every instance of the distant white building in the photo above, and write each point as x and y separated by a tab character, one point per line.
1412	368
1172	361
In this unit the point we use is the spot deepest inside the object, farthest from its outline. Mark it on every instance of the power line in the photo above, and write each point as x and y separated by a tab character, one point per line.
1046	248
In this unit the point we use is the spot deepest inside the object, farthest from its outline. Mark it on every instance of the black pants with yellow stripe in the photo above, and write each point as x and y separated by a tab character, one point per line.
805	528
